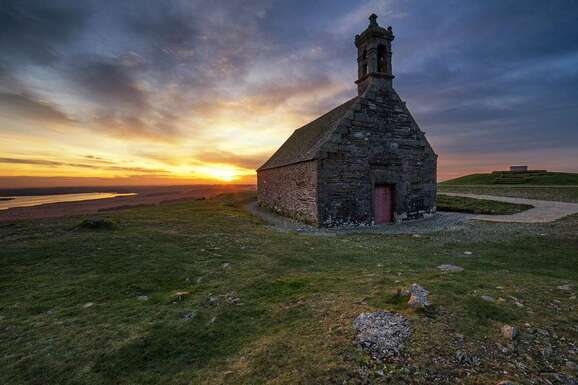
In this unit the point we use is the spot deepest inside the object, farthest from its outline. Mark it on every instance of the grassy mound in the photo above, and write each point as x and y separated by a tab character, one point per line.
529	178
478	206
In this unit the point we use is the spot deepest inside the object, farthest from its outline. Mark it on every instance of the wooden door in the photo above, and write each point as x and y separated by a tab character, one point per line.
383	203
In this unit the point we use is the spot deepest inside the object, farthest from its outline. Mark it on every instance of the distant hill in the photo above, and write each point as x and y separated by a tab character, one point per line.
528	178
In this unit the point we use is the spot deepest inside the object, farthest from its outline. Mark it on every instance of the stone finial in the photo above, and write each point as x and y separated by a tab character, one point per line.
373	20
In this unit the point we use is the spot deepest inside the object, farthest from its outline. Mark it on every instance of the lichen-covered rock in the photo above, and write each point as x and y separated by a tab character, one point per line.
382	334
419	296
509	332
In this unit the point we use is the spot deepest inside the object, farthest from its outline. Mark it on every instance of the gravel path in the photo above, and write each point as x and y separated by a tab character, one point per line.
543	211
439	222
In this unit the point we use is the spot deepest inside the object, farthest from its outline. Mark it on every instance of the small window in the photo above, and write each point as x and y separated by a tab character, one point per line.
381	58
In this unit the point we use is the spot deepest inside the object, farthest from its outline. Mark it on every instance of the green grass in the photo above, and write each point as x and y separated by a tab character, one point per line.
478	206
299	294
548	193
540	179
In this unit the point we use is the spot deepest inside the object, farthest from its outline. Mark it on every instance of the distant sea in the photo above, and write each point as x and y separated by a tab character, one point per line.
36	200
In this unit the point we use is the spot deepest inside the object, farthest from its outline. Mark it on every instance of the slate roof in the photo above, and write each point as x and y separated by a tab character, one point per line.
305	142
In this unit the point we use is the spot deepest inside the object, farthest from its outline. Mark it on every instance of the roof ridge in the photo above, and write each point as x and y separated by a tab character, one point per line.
305	141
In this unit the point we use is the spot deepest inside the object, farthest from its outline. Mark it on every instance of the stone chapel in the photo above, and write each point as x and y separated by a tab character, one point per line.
365	162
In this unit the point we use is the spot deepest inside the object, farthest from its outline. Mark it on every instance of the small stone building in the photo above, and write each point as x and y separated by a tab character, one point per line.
362	163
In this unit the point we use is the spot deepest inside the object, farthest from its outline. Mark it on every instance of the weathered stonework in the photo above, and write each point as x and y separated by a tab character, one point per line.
326	173
378	142
290	190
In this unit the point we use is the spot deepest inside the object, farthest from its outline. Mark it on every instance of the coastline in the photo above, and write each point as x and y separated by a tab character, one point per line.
145	196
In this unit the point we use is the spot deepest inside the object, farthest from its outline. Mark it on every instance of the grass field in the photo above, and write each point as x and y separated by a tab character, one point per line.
535	179
260	306
548	193
478	206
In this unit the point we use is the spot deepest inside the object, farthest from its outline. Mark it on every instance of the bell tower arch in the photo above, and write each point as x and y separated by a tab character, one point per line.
374	56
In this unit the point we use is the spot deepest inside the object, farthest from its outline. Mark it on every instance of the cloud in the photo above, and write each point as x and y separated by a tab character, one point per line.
111	84
51	163
33	30
250	162
239	75
22	106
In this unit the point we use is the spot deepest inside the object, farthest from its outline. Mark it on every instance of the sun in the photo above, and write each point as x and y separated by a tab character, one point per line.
225	174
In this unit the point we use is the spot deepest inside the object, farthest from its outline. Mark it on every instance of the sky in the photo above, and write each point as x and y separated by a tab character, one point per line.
174	91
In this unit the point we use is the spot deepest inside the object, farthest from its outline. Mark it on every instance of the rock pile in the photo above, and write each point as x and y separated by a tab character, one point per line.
382	334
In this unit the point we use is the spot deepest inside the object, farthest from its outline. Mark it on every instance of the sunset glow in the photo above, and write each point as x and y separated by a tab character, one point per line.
224	174
198	94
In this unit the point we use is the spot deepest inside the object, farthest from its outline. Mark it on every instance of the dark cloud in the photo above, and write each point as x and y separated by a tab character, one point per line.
51	163
133	127
29	108
110	83
33	30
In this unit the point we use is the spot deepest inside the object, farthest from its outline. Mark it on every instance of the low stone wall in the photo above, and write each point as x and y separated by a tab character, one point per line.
290	190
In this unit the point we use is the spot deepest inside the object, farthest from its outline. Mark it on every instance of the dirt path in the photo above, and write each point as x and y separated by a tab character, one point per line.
543	211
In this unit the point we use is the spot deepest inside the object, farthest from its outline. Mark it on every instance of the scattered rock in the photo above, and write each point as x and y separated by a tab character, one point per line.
190	315
382	334
464	358
232	298
566	287
506	383
447	268
226	266
572	365
560	378
143	298
95	224
543	332
509	332
488	298
182	294
468	253
402	292
212	321
88	304
213	299
418	297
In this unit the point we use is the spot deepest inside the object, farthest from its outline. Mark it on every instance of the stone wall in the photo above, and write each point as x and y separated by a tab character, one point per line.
378	142
290	190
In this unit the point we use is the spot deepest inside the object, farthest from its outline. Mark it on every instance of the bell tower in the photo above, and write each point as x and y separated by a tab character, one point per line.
374	56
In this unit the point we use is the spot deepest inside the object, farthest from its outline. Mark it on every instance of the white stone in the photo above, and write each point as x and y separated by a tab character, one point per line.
448	268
